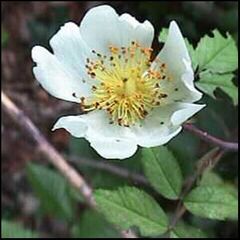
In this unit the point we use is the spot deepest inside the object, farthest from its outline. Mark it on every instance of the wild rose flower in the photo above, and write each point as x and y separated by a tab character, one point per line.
106	66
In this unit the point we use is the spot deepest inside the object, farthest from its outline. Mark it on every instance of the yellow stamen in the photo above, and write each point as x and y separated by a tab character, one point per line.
125	87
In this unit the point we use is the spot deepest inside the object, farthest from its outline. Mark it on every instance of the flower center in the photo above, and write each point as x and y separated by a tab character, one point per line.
125	86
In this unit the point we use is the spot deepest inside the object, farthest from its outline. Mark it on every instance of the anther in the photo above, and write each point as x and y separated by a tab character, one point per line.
163	95
93	74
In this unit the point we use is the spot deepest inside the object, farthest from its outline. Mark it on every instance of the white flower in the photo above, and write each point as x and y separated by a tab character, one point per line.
105	65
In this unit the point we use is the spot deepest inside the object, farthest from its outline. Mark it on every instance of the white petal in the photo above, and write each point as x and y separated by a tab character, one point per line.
101	27
145	33
187	110
188	81
73	124
131	30
109	140
54	77
158	137
156	129
174	50
178	63
163	124
99	124
112	148
70	50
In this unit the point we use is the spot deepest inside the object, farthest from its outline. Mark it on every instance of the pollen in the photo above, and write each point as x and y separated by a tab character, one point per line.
124	85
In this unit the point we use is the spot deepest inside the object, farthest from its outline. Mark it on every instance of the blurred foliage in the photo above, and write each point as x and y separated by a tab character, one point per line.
4	37
52	190
15	230
61	210
93	225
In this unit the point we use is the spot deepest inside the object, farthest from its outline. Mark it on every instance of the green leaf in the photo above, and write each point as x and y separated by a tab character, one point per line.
217	54
163	37
15	230
129	206
182	230
163	171
214	202
209	82
210	178
94	225
231	189
52	190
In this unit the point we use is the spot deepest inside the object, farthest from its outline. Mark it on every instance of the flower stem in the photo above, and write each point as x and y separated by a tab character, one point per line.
228	146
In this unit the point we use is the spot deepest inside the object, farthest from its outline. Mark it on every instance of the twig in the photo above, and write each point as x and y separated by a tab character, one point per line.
108	167
228	146
47	149
180	210
52	155
208	160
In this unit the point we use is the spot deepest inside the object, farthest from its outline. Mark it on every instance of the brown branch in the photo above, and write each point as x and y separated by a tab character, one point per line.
108	167
47	149
74	178
228	146
209	160
180	211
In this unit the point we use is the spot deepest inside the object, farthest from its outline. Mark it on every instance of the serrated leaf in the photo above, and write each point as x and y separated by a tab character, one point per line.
52	190
129	206
217	54
183	230
209	82
15	230
163	37
214	202
162	171
93	225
